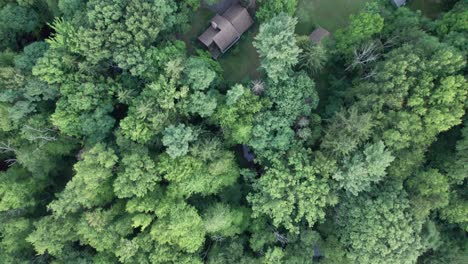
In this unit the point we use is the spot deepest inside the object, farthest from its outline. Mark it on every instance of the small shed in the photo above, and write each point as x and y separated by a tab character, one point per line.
319	34
226	29
398	3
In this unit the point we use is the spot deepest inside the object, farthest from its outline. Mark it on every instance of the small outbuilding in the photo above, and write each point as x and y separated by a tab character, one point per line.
398	3
319	34
226	29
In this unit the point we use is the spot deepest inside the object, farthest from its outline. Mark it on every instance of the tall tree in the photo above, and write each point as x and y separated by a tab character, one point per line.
277	47
379	227
92	184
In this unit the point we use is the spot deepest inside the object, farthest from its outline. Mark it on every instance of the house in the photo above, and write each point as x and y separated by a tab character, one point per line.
318	35
226	29
398	3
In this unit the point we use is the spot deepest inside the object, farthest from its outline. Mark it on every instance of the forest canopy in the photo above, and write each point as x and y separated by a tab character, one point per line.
122	141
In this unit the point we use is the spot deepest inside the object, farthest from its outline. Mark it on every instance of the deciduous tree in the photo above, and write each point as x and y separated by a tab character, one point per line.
277	47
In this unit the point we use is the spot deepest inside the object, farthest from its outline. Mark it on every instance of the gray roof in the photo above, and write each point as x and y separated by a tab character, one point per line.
226	29
318	34
239	18
398	3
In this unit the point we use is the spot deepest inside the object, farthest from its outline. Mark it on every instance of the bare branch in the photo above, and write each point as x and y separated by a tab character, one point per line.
281	238
6	148
258	86
365	54
370	74
43	133
11	162
44	138
390	42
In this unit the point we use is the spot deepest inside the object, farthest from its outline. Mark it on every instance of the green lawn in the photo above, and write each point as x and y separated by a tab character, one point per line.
430	8
334	14
241	61
329	14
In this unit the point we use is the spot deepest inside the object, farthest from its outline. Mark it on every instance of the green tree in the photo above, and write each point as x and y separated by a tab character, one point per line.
151	111
15	21
199	73
458	166
294	97
84	110
346	131
230	252
362	169
192	174
53	235
359	223
139	24
293	193
13	246
270	8
277	47
452	27
203	104
274	255
92	184
177	139
222	221
271	133
313	56
414	98
457	209
362	28
104	230
429	191
236	116
181	227
31	53
23	95
137	174
18	190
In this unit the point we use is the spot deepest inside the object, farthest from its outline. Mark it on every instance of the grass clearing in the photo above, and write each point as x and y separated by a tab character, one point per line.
329	14
242	61
429	8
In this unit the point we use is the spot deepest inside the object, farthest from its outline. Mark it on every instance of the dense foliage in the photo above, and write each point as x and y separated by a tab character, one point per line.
120	142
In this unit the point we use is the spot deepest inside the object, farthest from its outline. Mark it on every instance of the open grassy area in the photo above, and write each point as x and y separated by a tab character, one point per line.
329	14
241	61
334	14
430	8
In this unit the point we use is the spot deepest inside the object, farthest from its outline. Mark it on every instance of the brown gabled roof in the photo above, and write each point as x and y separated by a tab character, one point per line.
239	18
227	33
318	34
207	37
225	30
